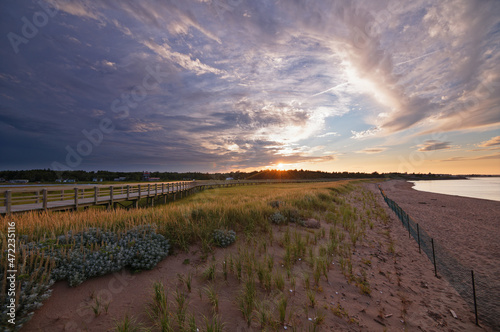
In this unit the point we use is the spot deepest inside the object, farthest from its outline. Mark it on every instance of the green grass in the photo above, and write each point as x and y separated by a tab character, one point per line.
261	272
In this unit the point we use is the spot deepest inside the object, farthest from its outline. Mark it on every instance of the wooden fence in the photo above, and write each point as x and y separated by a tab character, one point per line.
65	197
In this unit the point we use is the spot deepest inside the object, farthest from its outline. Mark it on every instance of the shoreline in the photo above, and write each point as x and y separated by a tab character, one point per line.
444	190
456	222
465	231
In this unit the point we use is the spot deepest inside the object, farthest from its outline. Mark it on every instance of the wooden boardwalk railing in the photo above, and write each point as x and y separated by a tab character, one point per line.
67	197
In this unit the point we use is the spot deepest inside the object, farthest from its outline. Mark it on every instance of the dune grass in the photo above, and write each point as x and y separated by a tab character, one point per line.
247	210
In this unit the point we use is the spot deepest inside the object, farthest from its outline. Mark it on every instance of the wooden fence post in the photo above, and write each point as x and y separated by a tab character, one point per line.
111	195
128	192
96	194
8	201
76	198
44	202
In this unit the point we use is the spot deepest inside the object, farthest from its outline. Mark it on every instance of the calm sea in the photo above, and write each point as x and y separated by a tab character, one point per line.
485	188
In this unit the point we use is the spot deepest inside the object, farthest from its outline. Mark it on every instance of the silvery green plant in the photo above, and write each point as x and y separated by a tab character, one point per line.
33	281
277	218
224	238
292	215
77	257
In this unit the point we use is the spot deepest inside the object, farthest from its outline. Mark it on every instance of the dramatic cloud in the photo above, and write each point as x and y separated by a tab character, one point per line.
486	157
494	141
372	150
217	85
432	145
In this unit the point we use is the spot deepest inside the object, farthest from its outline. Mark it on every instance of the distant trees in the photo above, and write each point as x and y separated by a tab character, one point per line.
308	175
47	175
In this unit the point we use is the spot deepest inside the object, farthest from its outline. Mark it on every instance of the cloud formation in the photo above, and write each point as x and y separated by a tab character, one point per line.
372	150
205	86
494	141
432	145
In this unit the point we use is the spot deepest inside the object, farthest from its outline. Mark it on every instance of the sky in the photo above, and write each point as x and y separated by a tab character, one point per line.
225	85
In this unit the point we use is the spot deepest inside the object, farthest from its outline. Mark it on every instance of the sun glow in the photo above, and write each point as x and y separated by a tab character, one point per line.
280	167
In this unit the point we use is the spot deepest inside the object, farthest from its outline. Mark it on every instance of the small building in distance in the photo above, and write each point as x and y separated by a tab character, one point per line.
121	178
146	176
19	181
97	180
229	179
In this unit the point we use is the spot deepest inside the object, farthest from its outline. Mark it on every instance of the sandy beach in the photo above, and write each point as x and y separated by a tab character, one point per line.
405	294
467	229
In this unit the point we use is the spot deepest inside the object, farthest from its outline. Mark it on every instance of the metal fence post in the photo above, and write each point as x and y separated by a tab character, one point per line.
408	222
474	294
418	237
434	258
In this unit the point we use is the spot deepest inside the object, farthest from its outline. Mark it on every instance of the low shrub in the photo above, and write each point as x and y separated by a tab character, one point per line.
32	287
277	204
292	215
224	238
277	218
95	252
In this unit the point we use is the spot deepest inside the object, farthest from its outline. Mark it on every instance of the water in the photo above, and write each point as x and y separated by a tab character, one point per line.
483	187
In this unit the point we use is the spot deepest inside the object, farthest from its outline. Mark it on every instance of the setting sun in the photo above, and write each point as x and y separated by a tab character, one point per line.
281	167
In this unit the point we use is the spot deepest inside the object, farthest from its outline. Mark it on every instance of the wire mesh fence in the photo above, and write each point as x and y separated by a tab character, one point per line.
480	291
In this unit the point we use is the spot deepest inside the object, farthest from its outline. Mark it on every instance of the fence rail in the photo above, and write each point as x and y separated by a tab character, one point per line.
480	291
66	197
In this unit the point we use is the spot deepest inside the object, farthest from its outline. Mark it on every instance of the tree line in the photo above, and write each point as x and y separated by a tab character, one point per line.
47	175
